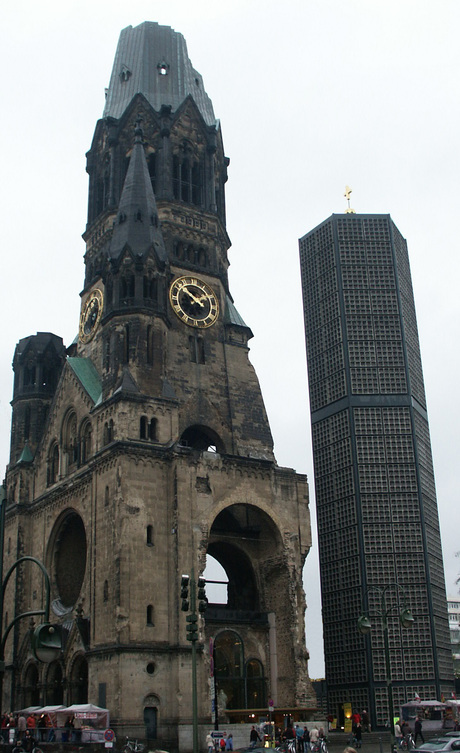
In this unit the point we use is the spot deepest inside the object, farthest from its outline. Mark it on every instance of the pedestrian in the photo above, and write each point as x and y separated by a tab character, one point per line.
365	721
11	724
355	719
299	738
358	735
314	735
210	742
31	723
253	737
229	743
289	737
418	730
22	726
306	739
222	744
398	733
42	726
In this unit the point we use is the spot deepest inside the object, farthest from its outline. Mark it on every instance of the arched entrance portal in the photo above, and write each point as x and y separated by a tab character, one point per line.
151	717
79	681
54	690
250	565
240	683
31	691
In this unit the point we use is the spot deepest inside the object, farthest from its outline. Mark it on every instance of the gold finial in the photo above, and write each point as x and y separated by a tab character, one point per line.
347	195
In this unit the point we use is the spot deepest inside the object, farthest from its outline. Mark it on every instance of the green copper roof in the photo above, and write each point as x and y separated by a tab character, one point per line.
231	314
85	371
26	455
152	60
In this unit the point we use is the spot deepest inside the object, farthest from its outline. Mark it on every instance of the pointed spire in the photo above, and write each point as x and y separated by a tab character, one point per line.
137	225
26	455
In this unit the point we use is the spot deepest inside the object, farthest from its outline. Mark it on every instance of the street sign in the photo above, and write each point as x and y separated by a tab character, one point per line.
109	735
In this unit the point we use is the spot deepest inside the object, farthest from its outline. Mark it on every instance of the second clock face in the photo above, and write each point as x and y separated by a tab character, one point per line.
194	302
90	315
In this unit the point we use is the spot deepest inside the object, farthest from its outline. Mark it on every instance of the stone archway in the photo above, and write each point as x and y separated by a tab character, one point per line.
246	542
151	707
242	538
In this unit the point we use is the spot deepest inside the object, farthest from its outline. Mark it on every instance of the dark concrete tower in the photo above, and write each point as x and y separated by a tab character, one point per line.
375	490
156	451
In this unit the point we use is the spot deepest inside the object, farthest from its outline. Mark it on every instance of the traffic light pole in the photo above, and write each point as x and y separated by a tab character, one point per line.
194	685
189	591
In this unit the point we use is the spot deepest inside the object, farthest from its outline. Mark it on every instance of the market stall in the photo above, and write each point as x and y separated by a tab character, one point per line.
430	712
83	722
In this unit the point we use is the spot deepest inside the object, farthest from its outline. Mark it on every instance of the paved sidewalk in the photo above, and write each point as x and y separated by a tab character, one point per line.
373	742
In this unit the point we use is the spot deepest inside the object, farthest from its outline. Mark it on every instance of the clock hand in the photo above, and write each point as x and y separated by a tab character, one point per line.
194	298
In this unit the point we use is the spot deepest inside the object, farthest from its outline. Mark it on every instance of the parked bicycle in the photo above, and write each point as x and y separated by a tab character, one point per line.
407	742
133	746
320	746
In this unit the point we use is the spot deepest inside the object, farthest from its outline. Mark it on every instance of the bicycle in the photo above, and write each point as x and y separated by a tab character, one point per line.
133	746
407	743
320	746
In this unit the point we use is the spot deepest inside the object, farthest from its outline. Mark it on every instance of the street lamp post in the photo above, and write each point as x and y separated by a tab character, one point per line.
47	638
364	626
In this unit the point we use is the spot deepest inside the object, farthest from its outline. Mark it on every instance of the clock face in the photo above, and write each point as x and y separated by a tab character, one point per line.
90	316
194	302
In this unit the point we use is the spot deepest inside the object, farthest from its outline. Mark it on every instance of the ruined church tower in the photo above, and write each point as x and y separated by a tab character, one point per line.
144	446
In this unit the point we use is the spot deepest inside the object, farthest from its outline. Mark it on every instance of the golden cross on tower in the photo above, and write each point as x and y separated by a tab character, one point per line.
347	195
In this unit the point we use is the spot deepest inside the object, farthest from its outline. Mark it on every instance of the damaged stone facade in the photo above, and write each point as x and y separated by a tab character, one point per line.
145	446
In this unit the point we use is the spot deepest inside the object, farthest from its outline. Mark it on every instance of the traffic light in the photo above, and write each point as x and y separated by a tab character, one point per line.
47	642
184	581
192	627
202	598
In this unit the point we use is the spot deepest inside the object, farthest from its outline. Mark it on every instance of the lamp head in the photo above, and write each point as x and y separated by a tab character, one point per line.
364	624
406	618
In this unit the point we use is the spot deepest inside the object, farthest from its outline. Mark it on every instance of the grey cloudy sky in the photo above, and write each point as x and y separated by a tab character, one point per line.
312	95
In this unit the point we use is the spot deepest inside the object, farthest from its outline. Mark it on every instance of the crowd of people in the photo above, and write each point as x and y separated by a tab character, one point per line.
36	728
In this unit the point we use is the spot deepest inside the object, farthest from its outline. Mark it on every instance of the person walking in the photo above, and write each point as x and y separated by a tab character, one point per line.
253	737
418	730
358	735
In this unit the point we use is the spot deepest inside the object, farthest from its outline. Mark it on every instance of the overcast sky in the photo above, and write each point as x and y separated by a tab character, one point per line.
312	95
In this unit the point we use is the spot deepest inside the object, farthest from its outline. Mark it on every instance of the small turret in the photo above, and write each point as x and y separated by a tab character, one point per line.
37	364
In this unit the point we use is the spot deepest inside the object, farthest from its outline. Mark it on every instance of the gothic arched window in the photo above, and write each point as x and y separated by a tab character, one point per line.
108	431
53	463
69	442
85	441
187	179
